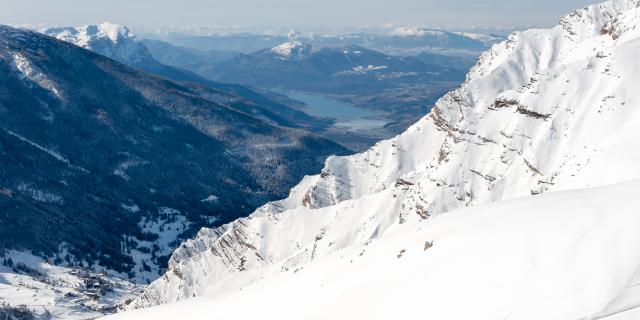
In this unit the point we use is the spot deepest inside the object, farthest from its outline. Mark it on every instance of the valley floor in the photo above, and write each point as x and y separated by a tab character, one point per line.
46	291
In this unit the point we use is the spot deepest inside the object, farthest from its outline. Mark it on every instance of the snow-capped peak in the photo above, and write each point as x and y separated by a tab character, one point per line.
113	32
111	40
84	35
288	49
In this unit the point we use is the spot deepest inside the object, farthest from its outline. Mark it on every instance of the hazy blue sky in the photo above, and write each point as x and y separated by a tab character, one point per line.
289	12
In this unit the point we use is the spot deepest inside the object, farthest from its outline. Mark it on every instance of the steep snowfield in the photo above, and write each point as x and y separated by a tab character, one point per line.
108	39
546	110
564	255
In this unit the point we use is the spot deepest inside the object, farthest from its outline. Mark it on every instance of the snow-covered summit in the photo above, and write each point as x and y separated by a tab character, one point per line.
286	49
293	48
544	111
111	40
86	34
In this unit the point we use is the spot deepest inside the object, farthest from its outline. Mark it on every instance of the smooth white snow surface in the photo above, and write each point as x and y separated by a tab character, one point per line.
564	255
544	111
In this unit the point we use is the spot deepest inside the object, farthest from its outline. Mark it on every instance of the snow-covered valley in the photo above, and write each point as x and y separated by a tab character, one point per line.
47	291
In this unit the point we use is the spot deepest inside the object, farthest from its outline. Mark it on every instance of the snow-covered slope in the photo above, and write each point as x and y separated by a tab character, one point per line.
108	39
546	110
564	255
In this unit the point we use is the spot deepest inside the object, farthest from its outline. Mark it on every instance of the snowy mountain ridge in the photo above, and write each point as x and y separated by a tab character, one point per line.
108	39
296	49
546	110
570	255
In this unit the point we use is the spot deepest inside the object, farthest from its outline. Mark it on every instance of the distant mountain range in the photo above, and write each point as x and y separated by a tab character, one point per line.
104	165
238	42
328	64
332	69
413	41
120	44
365	78
331	65
397	41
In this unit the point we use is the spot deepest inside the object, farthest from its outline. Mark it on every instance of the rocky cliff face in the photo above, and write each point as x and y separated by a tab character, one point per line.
545	110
